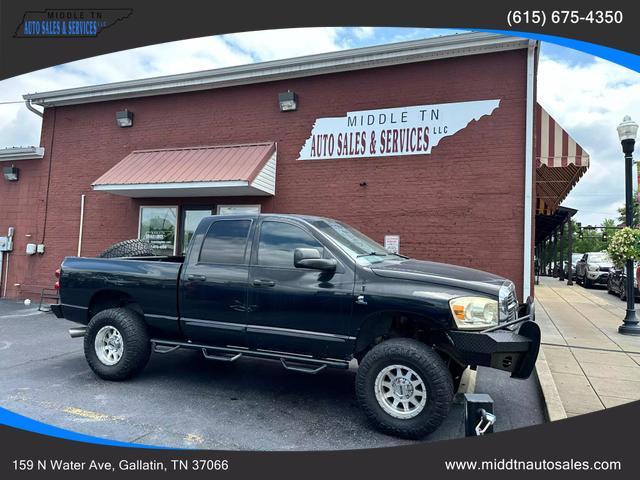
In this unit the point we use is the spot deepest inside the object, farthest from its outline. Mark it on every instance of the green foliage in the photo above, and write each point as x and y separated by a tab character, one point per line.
636	212
591	239
625	245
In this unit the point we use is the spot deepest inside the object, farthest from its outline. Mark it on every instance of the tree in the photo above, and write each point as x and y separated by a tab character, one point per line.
591	240
622	218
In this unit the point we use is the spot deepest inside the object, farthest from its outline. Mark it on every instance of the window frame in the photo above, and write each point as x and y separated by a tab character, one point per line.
177	225
245	262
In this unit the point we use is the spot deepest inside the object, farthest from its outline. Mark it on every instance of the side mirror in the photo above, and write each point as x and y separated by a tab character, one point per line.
311	258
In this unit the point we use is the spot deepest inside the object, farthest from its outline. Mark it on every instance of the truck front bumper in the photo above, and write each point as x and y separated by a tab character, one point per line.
512	346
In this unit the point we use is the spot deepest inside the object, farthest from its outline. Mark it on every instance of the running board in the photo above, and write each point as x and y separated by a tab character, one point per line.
221	358
303	368
298	363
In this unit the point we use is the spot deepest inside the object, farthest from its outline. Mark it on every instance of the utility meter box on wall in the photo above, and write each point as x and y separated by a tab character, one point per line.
4	244
31	249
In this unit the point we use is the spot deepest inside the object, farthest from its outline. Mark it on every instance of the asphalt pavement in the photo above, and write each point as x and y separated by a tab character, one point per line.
183	400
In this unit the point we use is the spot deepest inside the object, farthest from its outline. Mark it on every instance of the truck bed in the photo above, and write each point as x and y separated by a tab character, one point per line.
151	281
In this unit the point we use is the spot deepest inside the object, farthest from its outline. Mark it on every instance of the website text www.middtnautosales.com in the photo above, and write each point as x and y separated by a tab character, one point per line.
507	464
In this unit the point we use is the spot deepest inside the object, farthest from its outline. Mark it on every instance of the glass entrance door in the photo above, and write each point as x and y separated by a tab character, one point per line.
191	216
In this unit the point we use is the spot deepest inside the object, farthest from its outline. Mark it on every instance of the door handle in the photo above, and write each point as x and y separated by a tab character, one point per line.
264	283
196	278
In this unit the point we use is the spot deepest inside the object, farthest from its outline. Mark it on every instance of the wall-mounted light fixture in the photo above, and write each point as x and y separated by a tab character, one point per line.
11	173
124	118
288	101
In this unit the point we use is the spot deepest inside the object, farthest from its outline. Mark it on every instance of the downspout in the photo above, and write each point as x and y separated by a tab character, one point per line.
528	174
30	107
82	197
6	276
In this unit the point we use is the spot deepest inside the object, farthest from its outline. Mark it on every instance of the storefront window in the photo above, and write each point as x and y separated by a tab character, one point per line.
158	227
238	209
190	221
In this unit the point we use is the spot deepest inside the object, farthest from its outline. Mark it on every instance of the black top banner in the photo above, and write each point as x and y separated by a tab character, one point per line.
41	33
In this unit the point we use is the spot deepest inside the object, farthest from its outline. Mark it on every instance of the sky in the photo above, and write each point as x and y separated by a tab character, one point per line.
587	95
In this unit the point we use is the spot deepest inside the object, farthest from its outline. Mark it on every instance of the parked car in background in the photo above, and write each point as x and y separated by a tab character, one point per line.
574	260
593	269
617	284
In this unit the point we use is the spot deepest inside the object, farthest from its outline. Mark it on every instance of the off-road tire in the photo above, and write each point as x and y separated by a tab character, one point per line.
428	364
128	248
137	347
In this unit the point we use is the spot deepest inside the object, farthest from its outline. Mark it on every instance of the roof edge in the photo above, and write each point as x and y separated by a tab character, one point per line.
340	61
21	153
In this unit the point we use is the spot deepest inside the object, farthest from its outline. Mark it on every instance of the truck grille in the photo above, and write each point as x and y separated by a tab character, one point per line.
513	306
604	269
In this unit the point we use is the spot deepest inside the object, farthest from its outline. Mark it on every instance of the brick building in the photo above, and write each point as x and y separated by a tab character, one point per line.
452	169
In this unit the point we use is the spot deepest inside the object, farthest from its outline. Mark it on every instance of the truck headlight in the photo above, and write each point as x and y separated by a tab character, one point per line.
593	268
474	312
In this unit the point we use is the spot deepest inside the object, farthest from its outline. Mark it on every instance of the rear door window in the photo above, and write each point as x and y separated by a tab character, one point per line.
226	242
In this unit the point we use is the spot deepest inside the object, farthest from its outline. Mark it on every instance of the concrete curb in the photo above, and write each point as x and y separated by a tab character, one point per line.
554	410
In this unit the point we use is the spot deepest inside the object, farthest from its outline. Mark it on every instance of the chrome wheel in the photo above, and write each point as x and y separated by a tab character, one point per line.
400	391
109	345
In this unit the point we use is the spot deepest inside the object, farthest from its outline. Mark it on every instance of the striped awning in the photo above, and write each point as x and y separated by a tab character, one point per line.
560	162
554	146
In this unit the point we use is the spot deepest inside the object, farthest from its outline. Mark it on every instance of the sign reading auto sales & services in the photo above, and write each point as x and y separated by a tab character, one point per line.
413	130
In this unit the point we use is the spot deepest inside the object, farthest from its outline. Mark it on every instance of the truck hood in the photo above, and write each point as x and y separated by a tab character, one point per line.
441	274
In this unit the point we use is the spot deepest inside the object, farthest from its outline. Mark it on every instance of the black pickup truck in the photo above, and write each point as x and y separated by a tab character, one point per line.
311	293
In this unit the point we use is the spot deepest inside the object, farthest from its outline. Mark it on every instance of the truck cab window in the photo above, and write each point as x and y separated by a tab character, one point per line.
226	242
278	240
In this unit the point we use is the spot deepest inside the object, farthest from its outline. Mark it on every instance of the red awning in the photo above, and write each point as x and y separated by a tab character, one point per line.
560	162
554	146
194	172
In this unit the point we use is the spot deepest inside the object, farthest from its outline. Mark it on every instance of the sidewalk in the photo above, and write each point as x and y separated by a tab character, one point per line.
592	365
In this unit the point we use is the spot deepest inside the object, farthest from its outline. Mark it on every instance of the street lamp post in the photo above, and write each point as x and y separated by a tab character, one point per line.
627	132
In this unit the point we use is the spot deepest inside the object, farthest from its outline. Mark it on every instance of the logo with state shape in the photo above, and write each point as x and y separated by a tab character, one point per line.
69	22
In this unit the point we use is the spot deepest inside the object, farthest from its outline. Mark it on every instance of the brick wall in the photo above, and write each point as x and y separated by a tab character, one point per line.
463	204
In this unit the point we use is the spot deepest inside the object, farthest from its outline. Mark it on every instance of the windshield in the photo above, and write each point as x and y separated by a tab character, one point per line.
354	243
599	258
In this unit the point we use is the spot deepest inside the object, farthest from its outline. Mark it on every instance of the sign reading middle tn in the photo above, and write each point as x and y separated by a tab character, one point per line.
413	130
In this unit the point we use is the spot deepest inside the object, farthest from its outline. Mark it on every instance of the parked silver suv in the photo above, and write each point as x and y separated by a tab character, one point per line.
593	268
